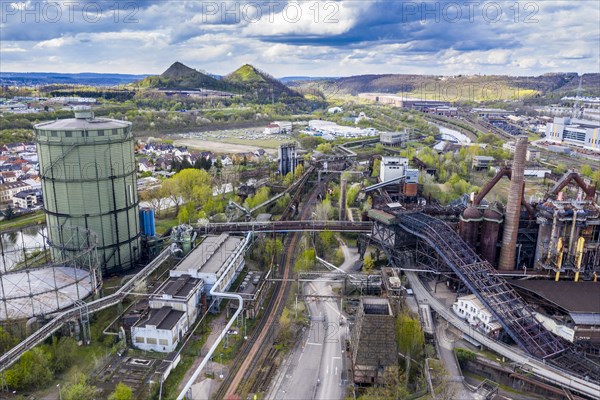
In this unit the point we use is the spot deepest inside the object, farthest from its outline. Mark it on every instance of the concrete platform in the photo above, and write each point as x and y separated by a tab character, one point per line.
42	291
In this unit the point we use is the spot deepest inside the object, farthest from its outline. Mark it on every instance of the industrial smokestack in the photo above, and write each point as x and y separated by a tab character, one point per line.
513	207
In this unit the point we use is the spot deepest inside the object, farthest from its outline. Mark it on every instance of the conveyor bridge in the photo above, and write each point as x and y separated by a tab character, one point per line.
515	316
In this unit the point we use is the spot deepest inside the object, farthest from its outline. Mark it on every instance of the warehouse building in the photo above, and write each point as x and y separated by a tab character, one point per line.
173	308
393	138
578	132
210	260
373	341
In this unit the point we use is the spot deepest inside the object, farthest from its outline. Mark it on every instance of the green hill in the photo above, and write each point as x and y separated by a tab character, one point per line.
461	87
182	77
260	86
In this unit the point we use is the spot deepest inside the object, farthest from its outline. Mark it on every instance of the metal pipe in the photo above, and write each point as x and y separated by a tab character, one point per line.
572	236
559	257
513	207
213	292
579	256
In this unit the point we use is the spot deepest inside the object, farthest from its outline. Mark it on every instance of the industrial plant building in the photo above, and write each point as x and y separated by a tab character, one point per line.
88	174
578	132
373	341
209	261
393	138
569	309
392	168
173	308
287	158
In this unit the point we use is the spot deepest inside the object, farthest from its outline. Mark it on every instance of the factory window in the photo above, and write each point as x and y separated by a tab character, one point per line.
115	131
68	134
163	342
139	339
100	132
54	134
151	340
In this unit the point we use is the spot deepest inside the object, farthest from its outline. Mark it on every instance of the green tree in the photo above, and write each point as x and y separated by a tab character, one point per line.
62	353
288	179
325	148
298	172
410	339
306	261
586	170
259	197
122	392
6	341
273	249
32	371
9	212
79	389
376	167
368	263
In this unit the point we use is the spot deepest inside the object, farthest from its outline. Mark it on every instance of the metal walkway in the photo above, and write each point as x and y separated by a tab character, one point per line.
12	355
286	226
515	316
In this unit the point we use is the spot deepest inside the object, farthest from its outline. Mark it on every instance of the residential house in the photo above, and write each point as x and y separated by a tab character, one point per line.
8	190
145	165
25	199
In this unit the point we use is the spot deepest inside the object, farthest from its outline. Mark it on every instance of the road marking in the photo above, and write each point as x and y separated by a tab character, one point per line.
315	344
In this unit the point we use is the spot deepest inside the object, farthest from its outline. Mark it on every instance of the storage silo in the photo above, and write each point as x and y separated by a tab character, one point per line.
468	226
490	230
88	174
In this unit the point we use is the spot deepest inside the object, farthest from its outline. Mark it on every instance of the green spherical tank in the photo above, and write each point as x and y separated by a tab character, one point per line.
88	174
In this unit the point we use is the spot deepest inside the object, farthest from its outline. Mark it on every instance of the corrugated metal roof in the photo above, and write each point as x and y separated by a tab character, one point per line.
585	319
574	297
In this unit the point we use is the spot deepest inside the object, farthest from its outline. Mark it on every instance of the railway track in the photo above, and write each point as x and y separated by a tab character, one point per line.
249	359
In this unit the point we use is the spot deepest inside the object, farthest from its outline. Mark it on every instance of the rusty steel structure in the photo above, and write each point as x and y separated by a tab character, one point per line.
513	207
514	314
451	255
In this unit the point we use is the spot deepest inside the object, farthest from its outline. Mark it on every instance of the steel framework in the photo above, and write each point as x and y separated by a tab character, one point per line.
515	316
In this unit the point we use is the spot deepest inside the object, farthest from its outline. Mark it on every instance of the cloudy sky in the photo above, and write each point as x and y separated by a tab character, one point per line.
291	38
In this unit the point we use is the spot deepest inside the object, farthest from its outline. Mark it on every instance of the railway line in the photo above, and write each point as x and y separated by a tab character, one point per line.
250	355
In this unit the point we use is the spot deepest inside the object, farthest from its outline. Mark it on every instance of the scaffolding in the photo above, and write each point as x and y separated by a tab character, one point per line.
45	277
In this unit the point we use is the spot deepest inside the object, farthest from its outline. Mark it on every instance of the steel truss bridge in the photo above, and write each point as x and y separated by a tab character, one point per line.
286	226
455	256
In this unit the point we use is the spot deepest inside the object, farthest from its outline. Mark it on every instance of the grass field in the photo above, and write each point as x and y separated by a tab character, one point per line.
20	222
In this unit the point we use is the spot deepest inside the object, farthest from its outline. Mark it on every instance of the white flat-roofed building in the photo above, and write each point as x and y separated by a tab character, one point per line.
578	132
470	308
490	112
209	261
181	293
482	162
392	167
161	330
393	138
329	130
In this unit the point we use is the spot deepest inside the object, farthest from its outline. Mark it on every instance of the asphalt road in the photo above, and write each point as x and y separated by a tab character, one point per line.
314	369
536	367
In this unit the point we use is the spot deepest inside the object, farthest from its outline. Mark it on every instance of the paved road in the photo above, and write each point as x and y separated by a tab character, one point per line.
314	369
538	368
